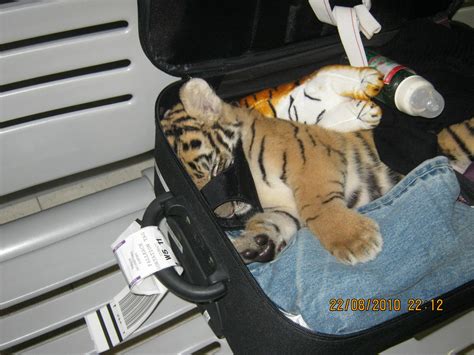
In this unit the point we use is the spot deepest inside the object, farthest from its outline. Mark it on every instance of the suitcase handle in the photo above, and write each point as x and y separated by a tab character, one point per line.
169	277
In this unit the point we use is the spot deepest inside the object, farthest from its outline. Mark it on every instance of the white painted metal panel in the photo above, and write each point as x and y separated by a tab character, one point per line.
51	240
62	145
188	337
61	263
63	55
78	341
49	148
25	19
73	305
61	222
58	311
64	93
450	339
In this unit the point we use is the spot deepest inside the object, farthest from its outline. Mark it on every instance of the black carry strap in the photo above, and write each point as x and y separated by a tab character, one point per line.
233	184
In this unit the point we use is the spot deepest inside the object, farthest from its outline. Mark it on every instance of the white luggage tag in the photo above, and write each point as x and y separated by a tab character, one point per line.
140	253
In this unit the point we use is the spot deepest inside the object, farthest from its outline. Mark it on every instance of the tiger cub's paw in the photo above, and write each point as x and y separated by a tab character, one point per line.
262	239
358	241
371	82
368	113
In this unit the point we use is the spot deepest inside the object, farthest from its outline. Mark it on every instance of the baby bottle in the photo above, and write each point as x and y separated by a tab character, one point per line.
407	91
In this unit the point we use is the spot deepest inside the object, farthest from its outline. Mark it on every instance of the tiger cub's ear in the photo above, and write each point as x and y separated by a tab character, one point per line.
200	101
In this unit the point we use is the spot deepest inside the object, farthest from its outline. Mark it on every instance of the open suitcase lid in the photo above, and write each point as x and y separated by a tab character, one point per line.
244	46
211	38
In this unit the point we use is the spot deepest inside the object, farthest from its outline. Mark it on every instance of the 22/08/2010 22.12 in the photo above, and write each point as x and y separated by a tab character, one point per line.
383	304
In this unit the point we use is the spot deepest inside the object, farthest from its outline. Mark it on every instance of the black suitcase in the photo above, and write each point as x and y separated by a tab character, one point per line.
241	47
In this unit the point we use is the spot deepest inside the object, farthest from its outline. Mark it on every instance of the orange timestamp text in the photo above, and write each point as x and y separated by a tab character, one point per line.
384	304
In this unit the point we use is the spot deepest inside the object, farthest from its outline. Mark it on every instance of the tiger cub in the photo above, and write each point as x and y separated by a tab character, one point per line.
335	97
305	175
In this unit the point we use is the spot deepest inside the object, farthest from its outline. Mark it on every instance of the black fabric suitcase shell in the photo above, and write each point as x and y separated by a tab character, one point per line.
215	278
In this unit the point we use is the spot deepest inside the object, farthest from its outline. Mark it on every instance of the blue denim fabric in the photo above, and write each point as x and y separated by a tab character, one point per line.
428	250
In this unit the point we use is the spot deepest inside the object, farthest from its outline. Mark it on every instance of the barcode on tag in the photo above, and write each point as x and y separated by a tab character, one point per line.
114	322
133	307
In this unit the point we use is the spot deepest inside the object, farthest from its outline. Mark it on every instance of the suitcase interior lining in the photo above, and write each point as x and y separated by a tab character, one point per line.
190	36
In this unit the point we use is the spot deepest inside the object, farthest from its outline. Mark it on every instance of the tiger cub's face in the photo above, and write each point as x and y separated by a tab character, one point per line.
190	141
203	151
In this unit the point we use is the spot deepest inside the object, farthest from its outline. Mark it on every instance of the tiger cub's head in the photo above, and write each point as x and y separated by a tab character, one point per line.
203	151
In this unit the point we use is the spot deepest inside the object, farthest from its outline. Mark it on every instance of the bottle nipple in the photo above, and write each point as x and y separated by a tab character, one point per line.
427	102
432	105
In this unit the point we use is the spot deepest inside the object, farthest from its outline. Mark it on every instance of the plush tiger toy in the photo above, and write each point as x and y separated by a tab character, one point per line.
335	97
285	159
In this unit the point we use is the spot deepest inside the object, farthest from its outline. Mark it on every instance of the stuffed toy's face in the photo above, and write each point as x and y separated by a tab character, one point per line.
336	97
